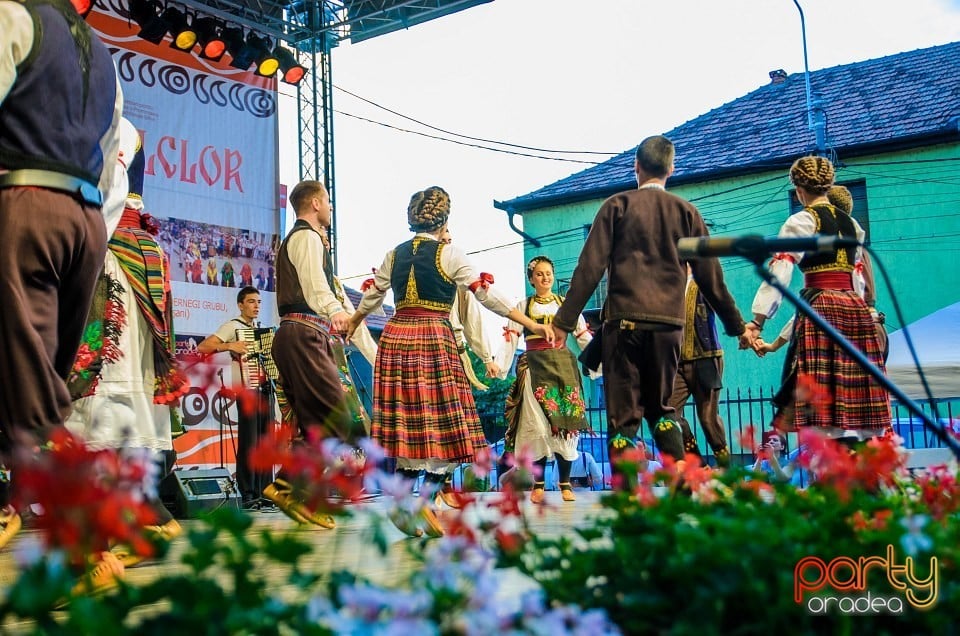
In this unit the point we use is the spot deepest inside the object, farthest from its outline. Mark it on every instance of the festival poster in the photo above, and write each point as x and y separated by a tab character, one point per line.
210	137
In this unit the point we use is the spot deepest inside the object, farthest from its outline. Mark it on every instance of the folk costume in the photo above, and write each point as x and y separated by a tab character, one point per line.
857	406
700	375
310	359
56	166
633	239
468	332
545	410
125	378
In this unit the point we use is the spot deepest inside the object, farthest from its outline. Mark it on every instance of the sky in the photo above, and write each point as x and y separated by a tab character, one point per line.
575	75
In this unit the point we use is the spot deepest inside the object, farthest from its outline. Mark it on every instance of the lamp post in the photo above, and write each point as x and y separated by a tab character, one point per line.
819	126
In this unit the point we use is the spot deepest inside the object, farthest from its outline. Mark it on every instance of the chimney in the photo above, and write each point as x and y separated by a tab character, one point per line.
778	76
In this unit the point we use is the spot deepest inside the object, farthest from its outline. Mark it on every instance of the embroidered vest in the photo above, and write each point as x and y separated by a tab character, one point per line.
417	278
290	296
539	319
62	101
832	222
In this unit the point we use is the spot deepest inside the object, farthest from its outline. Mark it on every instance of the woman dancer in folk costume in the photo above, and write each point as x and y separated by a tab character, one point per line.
859	408
423	409
125	380
545	409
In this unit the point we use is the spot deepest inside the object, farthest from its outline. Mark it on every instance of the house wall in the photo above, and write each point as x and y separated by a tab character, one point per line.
913	200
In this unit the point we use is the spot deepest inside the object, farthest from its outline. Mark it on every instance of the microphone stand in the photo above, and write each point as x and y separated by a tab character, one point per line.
220	416
804	308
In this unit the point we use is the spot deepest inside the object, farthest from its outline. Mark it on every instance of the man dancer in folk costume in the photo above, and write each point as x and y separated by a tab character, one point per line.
60	104
545	410
700	375
424	414
311	317
125	380
634	239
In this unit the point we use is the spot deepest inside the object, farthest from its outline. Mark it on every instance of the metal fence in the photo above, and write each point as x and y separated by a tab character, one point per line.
743	411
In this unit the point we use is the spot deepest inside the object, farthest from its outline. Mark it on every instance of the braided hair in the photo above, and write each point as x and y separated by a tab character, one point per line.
840	198
428	210
814	174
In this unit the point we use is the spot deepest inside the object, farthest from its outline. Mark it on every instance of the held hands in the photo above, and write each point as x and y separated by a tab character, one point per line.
340	323
749	336
353	323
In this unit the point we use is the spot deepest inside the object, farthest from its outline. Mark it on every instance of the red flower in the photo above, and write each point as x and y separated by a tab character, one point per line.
90	498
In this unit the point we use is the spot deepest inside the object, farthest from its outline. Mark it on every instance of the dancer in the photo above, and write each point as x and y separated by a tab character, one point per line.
423	410
700	375
545	410
858	408
60	104
125	380
311	317
634	240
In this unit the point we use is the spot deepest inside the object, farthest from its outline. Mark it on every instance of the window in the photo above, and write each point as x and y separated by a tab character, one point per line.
861	211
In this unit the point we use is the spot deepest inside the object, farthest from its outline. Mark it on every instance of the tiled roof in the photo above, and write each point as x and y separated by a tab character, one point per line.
901	100
374	322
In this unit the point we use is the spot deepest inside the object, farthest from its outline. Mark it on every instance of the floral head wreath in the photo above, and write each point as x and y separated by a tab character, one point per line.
535	261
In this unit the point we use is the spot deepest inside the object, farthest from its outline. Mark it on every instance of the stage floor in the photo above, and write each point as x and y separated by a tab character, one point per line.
348	546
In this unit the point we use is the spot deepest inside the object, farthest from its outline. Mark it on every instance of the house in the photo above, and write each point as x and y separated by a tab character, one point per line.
892	127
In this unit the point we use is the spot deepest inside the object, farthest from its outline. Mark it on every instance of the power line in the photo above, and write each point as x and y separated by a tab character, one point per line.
487	141
464	143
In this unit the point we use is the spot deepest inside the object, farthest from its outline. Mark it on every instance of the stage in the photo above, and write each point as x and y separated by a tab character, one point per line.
348	546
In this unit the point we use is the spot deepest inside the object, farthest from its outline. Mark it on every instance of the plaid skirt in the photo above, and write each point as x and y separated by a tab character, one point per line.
843	395
423	406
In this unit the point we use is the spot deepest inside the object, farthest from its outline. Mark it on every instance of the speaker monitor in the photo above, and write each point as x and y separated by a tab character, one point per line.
190	493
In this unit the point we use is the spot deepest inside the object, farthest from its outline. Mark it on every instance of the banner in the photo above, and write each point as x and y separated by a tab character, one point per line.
211	136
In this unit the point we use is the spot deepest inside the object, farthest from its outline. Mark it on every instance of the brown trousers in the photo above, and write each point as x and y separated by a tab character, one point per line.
638	371
308	373
689	383
53	251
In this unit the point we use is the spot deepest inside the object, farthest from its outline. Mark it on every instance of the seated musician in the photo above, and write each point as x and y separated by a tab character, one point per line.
250	423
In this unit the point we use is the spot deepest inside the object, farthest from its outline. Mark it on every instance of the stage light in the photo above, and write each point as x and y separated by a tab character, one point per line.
146	13
246	51
292	71
184	35
267	63
209	35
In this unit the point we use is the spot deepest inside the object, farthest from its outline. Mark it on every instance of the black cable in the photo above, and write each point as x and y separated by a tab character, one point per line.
487	141
906	331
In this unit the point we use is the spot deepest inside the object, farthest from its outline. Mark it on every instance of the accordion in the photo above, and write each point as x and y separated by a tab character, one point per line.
257	368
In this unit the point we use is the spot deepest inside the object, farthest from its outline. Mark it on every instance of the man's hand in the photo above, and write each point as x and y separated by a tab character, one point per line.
353	323
238	347
749	335
340	322
559	335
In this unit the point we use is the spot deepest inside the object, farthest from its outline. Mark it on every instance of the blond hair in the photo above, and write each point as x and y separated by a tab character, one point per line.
428	210
814	174
840	198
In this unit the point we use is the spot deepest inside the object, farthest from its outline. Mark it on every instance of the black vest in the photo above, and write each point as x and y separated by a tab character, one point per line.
541	320
417	278
62	101
290	296
831	222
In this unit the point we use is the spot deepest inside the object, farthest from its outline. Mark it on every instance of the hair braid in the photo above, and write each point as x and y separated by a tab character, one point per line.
812	173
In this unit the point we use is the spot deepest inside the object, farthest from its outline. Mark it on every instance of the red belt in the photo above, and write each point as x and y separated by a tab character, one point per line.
828	280
539	344
422	312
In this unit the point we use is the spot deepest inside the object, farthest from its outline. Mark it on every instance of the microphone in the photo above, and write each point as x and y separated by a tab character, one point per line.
754	245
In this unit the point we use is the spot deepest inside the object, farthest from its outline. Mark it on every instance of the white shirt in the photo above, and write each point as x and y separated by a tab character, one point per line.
305	250
16	25
454	264
470	329
803	223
